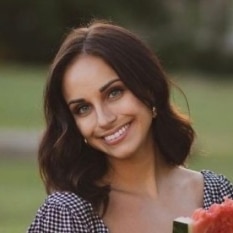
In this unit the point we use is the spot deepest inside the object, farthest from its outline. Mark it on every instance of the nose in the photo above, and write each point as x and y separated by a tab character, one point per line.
105	116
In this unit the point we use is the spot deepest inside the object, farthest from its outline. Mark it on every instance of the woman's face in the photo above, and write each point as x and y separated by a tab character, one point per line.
106	112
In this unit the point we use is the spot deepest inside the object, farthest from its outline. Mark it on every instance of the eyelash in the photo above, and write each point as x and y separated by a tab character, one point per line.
118	93
77	109
117	90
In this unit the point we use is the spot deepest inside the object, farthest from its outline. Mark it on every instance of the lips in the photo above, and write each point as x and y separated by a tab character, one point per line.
117	135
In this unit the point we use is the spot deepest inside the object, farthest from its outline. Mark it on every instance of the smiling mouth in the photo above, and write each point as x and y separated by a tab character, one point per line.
117	135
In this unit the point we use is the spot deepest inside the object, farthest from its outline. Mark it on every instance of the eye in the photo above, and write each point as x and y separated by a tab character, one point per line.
115	93
81	110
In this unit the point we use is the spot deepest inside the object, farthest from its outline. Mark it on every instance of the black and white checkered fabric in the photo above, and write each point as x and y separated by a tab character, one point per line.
65	212
216	187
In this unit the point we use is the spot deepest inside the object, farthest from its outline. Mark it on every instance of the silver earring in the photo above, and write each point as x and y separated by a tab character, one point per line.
154	113
85	140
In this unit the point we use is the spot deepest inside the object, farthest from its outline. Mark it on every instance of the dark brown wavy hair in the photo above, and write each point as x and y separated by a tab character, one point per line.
66	163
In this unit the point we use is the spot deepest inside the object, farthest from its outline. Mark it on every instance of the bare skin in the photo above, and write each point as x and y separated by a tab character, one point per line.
146	197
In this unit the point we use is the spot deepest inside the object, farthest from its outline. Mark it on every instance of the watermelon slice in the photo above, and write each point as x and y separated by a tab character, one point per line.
183	225
217	219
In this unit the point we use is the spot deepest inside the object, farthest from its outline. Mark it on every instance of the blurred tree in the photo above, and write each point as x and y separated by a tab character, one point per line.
185	34
214	19
27	27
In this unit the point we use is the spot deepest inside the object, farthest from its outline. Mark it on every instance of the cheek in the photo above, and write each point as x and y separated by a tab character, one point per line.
85	126
135	106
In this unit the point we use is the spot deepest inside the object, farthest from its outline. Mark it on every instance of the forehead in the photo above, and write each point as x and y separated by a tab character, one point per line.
86	74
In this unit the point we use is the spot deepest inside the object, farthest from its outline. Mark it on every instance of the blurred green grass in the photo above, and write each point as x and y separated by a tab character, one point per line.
21	90
211	110
21	194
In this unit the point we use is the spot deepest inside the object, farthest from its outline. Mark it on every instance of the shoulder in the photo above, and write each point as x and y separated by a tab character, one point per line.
66	203
64	212
67	200
216	187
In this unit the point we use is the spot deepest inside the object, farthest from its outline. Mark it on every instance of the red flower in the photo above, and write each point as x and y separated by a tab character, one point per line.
217	219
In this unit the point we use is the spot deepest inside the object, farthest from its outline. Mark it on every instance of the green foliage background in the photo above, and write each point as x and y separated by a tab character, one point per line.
185	34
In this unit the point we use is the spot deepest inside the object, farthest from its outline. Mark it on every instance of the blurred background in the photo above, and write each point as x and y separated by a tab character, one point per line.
193	39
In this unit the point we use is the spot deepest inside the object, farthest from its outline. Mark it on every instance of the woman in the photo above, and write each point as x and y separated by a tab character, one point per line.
113	151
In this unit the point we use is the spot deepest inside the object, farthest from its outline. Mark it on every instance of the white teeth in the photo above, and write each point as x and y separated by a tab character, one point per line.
117	134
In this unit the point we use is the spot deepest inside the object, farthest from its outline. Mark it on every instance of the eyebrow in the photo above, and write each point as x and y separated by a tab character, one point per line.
76	101
102	89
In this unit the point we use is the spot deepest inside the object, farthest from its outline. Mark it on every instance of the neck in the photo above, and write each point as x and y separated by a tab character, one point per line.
139	176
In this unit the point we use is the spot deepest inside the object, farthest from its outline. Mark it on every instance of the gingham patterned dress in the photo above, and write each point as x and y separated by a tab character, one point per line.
65	212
